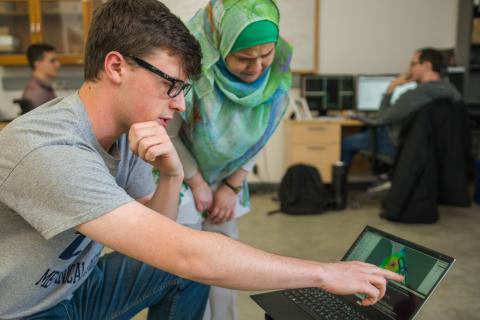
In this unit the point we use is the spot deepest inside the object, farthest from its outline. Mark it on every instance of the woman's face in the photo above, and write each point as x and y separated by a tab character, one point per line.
250	63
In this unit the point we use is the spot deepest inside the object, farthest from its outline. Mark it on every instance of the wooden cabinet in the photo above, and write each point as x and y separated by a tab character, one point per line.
61	23
315	143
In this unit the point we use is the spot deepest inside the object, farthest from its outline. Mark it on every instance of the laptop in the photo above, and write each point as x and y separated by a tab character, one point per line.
422	268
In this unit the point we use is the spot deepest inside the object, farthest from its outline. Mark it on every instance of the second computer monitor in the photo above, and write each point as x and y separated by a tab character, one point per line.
370	89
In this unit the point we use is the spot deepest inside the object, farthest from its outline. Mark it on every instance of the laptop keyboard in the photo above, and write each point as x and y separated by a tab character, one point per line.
322	305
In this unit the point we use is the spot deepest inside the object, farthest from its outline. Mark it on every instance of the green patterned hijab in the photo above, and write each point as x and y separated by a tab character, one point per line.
228	121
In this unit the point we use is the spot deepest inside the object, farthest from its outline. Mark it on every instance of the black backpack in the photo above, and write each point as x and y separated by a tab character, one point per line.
302	191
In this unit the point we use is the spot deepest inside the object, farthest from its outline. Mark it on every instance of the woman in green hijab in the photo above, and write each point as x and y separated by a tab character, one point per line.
234	108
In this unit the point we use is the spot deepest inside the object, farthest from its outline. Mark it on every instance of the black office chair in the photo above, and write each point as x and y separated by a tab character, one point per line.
473	110
25	105
434	163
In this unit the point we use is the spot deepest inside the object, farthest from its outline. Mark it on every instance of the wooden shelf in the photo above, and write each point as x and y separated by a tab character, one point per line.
61	14
21	60
39	21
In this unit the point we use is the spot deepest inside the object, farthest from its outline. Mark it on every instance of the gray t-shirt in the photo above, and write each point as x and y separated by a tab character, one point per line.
54	175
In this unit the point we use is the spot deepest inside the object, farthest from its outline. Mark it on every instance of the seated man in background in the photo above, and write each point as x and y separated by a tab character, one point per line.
426	68
44	63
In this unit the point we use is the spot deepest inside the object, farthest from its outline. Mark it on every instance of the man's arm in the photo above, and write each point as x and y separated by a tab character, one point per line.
406	104
388	113
165	198
217	260
143	234
150	142
385	106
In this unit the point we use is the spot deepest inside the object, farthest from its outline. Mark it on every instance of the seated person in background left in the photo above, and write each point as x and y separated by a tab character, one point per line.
426	68
44	63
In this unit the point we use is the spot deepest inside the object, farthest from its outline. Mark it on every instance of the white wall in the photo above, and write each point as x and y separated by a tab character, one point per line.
379	36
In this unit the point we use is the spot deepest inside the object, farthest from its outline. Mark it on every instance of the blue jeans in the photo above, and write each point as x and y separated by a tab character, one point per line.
120	287
351	145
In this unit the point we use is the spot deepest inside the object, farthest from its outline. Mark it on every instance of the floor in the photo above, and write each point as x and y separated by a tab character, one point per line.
327	236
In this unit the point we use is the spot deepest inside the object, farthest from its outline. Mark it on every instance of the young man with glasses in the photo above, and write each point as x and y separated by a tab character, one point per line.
76	176
176	86
426	69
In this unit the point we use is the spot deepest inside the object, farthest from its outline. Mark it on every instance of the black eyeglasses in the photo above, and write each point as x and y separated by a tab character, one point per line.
176	85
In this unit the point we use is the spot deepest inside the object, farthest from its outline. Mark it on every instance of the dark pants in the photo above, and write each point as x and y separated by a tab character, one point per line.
352	144
120	287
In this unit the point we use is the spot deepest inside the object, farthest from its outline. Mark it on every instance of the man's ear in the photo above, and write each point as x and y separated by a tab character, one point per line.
114	66
35	64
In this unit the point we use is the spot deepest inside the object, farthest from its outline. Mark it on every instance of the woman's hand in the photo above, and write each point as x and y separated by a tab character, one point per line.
202	194
224	201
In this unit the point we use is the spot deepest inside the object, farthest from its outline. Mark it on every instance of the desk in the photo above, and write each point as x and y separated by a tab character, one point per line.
316	142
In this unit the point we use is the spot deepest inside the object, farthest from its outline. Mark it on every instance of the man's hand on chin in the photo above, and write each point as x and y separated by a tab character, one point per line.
150	141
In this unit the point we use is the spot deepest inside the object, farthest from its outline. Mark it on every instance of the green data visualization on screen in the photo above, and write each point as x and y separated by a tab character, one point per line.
421	271
410	263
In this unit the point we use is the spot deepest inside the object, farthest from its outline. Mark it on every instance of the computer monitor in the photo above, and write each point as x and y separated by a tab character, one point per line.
370	89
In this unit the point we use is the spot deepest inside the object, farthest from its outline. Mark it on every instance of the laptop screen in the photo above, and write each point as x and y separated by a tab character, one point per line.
422	268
